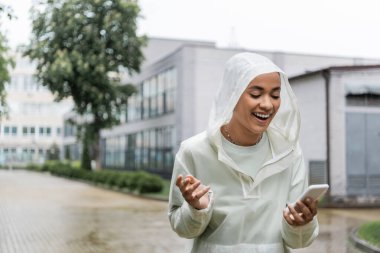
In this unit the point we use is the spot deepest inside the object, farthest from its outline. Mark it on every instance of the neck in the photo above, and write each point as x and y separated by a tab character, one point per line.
239	135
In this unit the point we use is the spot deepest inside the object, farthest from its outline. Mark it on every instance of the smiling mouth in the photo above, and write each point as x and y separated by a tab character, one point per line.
261	116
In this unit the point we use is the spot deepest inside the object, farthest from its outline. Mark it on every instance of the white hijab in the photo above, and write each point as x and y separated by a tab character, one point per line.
239	71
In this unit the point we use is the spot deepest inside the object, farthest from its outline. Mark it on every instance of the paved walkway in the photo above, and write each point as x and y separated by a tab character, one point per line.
42	213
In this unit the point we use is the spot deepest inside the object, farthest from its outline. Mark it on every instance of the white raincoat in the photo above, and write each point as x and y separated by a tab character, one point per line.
245	214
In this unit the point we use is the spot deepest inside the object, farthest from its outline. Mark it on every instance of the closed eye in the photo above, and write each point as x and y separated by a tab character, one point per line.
254	96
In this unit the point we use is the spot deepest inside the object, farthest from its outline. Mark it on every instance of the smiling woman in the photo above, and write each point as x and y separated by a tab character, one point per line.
231	184
254	111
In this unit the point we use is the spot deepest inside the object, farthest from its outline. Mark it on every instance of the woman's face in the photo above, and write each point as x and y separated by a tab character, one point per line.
259	103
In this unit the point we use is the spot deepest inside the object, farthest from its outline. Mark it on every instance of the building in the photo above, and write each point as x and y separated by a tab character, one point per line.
340	133
35	121
176	87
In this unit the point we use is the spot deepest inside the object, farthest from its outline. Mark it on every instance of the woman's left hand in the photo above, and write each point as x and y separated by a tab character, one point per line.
301	213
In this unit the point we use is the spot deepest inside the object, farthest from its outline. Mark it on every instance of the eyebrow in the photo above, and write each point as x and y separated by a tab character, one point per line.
261	88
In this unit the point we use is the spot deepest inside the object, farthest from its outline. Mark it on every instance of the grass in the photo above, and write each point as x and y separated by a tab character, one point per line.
370	232
164	194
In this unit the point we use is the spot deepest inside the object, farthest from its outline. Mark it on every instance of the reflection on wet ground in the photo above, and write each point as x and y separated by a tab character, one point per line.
42	213
335	228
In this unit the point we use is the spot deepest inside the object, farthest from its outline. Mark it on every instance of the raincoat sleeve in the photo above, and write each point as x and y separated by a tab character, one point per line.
185	220
299	236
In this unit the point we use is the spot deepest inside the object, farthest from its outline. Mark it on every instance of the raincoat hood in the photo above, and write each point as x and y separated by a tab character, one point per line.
239	71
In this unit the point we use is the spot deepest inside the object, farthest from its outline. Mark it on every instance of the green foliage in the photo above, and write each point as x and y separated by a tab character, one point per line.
53	152
34	167
80	46
370	232
139	182
5	63
149	183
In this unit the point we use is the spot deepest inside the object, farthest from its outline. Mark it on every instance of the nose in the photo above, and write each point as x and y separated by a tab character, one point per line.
266	103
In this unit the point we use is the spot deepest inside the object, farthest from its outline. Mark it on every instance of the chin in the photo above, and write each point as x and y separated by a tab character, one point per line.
258	130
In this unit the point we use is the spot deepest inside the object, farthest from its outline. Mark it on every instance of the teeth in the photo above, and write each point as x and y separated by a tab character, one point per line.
265	116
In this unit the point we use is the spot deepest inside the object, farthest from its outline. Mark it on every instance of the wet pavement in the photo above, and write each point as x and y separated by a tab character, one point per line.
42	213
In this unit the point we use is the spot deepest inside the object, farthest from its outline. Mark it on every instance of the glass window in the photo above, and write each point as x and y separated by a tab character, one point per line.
58	131
6	130
145	86
152	149
146	139
130	154
32	130
48	131
160	84
146	108
14	130
169	101
153	106
24	130
41	131
160	104
366	100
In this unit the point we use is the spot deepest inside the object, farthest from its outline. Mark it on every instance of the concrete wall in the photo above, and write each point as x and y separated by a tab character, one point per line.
311	95
159	48
296	64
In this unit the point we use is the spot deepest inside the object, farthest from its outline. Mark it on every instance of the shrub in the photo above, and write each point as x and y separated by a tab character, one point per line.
34	167
122	181
150	184
141	182
112	177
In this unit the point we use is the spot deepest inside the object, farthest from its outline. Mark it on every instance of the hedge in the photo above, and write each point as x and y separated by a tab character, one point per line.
138	182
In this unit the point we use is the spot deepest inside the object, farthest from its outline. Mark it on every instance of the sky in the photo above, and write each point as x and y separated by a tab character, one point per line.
330	27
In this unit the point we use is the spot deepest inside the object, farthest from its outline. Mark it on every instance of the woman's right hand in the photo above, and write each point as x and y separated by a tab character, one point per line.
193	191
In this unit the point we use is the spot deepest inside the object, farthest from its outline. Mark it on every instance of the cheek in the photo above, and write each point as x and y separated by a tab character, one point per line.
276	104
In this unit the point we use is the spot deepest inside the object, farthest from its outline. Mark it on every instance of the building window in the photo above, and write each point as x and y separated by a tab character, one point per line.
155	97
69	129
28	131
6	130
366	100
24	130
10	130
44	131
151	150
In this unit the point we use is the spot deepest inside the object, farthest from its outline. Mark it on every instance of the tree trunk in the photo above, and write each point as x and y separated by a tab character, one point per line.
86	157
97	150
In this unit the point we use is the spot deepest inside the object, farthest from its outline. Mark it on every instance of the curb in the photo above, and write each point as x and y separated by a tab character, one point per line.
363	245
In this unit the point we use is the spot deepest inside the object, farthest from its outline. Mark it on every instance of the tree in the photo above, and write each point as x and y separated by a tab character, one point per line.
5	62
80	46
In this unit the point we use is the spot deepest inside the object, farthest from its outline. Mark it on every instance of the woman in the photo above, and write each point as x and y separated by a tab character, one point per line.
232	186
